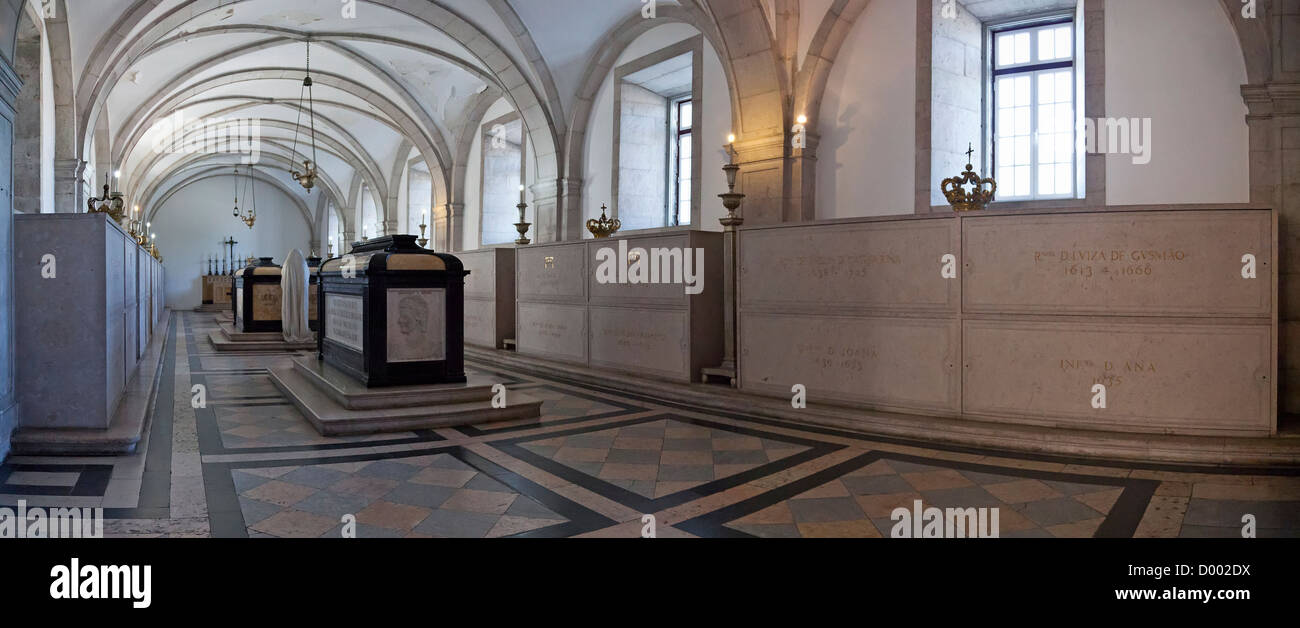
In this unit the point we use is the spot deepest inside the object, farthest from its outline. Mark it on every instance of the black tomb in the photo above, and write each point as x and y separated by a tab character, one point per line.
393	314
256	298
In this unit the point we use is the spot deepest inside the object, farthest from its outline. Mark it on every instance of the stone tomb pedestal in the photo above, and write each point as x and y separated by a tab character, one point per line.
391	351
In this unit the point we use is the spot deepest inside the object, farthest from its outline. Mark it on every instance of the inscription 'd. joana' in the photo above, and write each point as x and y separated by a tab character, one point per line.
836	357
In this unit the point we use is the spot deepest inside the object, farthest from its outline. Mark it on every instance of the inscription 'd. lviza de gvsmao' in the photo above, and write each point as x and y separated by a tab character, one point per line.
1086	263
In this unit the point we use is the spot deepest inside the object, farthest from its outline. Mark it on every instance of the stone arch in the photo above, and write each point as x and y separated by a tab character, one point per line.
329	185
391	211
359	162
810	80
1253	37
602	63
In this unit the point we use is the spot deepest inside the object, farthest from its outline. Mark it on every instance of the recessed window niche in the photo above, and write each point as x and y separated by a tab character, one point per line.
657	107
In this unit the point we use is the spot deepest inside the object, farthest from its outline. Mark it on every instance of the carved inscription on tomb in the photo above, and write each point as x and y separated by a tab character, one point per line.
343	320
879	265
651	341
890	362
552	330
266	302
1150	263
1158	376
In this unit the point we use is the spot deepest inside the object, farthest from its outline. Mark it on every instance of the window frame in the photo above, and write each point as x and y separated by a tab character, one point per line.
675	157
1032	69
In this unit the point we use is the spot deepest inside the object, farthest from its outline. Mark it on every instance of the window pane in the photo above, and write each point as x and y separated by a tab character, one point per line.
1022	121
1065	147
1006	49
1046	148
1022	152
1022	48
1022	181
1006	122
1064	178
1064	115
684	116
1022	90
1006	93
1064	42
1046	87
1046	180
1064	87
1046	45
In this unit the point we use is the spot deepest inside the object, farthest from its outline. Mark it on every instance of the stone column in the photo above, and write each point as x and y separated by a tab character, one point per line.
68	196
572	223
545	195
765	178
1274	121
10	86
449	226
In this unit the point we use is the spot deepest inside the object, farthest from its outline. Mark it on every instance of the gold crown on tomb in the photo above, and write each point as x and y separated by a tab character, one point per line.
604	227
977	198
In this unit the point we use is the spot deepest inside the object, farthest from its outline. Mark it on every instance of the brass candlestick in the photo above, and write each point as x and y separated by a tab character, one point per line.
730	200
423	241
521	226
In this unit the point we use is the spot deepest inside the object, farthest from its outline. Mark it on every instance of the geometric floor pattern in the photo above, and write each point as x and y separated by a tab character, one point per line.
429	496
662	457
247	464
859	503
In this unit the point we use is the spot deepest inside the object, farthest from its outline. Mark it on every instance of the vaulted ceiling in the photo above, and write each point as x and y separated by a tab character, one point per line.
391	77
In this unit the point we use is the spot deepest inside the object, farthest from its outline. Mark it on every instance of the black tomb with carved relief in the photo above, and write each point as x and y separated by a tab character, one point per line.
257	297
393	314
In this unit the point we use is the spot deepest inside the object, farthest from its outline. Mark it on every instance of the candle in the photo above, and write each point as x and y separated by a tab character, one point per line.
521	193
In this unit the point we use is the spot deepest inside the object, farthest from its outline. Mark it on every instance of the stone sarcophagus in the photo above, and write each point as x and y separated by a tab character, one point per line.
257	297
1124	319
392	314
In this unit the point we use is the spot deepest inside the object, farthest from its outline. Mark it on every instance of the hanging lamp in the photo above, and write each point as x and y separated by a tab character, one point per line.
306	178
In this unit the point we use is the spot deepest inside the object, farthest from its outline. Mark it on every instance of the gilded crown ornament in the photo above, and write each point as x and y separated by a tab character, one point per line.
604	227
978	197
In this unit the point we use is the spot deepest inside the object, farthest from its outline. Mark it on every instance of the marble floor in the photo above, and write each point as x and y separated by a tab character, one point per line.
246	464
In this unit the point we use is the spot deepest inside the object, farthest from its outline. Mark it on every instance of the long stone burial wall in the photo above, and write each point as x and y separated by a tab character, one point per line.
1041	306
85	314
565	313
